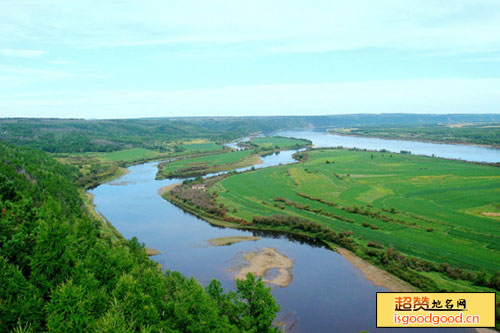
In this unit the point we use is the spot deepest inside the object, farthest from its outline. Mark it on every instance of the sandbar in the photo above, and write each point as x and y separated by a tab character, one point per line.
261	261
152	252
376	275
222	241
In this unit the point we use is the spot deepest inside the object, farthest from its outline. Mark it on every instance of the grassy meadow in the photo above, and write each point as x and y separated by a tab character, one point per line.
200	146
129	155
438	210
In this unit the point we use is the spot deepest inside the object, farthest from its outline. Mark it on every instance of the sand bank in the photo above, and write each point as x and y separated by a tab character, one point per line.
261	261
376	275
222	241
152	252
167	188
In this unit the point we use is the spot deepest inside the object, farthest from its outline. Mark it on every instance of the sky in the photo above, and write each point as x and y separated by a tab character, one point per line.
166	58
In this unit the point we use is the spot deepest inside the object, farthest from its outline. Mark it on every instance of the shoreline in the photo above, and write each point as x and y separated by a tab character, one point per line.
376	275
455	143
372	273
163	190
493	164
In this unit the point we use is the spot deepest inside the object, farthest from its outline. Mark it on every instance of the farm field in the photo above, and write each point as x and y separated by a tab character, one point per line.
438	210
129	155
200	146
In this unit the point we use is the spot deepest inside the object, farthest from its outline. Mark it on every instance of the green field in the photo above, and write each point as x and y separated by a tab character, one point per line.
427	208
201	165
276	142
200	147
208	164
129	155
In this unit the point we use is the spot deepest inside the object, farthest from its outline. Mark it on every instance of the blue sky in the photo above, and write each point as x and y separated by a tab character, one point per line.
123	59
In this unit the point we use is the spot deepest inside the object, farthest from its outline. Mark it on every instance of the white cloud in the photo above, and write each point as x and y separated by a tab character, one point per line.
415	96
280	25
18	53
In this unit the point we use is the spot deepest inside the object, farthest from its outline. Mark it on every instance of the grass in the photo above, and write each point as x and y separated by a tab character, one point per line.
129	155
201	147
200	165
279	142
433	201
208	164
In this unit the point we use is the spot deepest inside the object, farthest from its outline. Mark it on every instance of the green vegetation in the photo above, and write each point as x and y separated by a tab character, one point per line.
401	196
73	136
78	135
97	167
130	155
64	270
478	134
415	216
275	142
197	166
431	222
200	147
202	165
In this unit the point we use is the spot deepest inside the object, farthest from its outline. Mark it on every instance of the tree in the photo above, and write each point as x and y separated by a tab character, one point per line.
256	304
70	309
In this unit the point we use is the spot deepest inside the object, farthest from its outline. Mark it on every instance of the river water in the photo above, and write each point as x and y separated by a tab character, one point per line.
463	152
327	293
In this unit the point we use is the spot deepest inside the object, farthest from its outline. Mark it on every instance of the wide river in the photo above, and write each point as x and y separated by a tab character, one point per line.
327	293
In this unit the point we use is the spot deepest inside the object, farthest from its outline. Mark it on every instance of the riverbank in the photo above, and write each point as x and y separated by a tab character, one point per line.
376	275
451	142
165	189
199	166
372	273
292	189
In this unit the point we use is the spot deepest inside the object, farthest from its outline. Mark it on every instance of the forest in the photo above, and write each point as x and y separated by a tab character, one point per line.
78	135
61	270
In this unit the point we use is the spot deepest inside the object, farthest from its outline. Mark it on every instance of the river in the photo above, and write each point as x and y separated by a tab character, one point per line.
327	293
321	138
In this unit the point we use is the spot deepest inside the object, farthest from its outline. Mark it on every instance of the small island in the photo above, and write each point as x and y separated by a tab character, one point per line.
264	260
224	241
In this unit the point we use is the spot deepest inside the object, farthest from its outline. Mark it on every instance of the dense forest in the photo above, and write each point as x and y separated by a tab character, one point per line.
78	135
60	271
